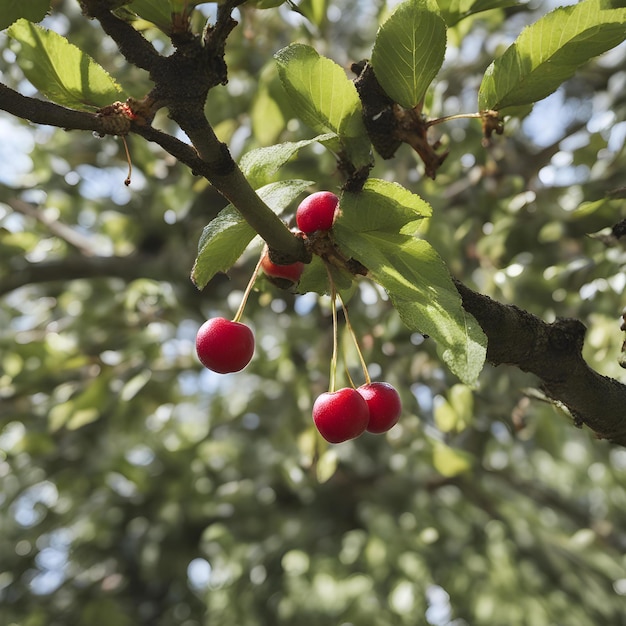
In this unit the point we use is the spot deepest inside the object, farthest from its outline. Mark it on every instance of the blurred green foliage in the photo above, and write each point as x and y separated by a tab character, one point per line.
137	488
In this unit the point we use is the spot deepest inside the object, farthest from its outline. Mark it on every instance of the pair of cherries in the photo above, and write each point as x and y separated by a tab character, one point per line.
315	212
347	413
225	346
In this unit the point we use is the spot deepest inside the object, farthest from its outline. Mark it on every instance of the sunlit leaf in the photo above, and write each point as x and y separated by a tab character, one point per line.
321	93
453	11
314	10
326	465
423	293
550	51
461	399
445	416
450	461
260	164
454	413
60	71
135	385
82	417
383	206
409	51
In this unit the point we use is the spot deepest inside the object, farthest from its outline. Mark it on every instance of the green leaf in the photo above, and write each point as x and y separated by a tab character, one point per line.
82	409
454	413
226	237
445	416
409	50
266	4
266	116
549	52
453	11
419	286
314	10
383	206
68	416
591	217
315	278
261	164
61	71
326	465
461	343
320	92
451	461
222	242
461	399
159	13
13	10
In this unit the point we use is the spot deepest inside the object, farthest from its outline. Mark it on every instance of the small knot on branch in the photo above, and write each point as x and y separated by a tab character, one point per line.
116	118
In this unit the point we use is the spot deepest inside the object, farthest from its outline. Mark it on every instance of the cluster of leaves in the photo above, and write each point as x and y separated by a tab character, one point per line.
375	225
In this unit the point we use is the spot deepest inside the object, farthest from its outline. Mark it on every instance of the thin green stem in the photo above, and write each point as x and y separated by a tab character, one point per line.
368	380
349	377
246	293
448	118
333	309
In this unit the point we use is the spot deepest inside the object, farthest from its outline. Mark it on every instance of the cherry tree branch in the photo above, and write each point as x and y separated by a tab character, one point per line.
44	112
83	244
218	167
553	352
79	266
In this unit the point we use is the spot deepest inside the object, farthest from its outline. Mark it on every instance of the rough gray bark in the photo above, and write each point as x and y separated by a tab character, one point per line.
553	352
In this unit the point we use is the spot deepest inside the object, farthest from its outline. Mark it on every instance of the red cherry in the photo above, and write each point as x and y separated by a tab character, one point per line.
291	272
224	346
340	415
383	402
317	212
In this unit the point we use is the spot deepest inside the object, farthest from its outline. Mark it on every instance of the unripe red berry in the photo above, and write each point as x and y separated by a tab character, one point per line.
340	415
384	404
317	212
291	272
224	346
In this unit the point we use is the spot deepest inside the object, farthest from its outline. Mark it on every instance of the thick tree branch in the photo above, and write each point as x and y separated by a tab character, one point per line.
44	112
78	266
553	352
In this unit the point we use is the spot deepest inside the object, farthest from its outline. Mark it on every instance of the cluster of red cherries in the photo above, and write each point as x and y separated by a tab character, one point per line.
225	346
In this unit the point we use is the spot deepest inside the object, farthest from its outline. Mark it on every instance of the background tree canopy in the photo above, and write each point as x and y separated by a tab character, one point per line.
137	487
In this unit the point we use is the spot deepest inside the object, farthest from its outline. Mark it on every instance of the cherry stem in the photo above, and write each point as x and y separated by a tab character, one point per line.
246	293
130	164
333	309
368	380
448	118
350	378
